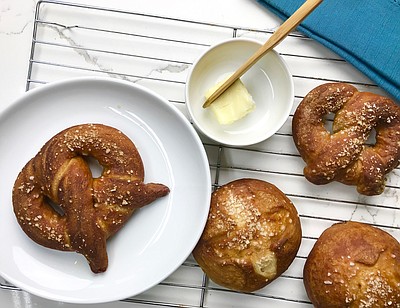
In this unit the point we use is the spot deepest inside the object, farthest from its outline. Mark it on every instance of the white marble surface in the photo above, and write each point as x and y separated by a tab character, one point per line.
275	160
16	22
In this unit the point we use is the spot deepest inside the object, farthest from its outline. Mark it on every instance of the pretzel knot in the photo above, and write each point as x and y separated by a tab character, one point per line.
61	206
344	154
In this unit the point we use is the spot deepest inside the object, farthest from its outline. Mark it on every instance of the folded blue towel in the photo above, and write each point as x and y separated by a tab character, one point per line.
364	33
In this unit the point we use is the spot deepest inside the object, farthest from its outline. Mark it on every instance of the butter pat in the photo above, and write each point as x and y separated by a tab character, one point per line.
232	105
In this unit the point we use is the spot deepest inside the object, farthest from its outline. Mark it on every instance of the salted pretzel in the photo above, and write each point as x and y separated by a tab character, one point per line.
61	206
344	154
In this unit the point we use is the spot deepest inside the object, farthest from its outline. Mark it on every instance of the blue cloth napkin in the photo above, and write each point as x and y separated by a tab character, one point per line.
364	33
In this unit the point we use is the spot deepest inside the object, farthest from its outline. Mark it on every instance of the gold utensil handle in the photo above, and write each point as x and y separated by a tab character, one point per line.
292	22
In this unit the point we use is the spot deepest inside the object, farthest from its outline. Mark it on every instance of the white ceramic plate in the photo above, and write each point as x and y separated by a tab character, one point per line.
146	250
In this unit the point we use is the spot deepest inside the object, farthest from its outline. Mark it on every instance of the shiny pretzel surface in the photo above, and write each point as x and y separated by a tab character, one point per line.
344	154
59	204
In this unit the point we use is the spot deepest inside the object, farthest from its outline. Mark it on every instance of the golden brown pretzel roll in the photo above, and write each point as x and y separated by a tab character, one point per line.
353	264
89	210
251	237
343	154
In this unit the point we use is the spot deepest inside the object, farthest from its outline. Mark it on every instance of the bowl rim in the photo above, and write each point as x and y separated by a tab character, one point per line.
243	142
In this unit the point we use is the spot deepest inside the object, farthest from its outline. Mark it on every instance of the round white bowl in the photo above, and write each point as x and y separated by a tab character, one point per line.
268	81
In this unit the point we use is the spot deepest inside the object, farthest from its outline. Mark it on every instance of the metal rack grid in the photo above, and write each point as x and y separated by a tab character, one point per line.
71	40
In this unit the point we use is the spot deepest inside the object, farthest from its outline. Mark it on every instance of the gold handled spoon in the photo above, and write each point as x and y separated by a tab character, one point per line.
291	23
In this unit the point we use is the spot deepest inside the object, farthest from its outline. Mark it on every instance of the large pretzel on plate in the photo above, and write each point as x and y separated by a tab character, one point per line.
61	206
344	154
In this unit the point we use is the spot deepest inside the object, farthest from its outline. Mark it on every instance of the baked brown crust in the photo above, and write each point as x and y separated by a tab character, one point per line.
89	210
343	155
353	264
251	237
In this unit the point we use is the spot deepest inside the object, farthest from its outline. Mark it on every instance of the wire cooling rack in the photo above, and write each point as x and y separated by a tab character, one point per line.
71	40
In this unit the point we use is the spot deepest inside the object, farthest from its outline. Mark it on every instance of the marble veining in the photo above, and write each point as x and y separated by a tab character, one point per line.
64	33
14	18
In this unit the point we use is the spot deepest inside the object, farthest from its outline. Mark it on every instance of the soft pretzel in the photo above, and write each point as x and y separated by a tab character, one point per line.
353	264
61	206
343	155
252	235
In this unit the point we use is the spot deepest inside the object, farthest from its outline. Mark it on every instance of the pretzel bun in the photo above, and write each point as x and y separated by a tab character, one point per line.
353	264
344	155
59	205
251	237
